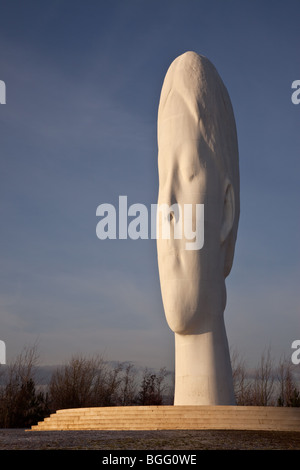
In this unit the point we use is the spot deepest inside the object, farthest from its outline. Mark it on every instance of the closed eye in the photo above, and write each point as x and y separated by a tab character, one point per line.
188	174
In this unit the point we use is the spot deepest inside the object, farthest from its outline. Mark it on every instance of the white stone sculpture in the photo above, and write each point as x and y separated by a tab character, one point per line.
198	164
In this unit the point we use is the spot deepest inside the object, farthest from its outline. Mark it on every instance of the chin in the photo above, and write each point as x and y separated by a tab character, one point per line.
179	321
181	300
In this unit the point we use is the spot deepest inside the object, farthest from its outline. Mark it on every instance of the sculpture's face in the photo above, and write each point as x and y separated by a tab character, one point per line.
190	279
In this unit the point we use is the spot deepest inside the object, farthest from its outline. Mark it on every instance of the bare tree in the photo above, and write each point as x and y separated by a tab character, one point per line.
78	383
263	386
241	380
128	386
86	382
111	385
152	388
20	404
288	392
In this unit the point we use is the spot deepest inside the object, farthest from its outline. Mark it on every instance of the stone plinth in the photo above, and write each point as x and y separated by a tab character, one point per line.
173	417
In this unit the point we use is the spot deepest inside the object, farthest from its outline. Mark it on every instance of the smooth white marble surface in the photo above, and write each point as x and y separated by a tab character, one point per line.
198	164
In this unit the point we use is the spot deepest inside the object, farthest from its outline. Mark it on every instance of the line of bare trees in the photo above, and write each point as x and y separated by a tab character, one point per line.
92	381
268	384
82	382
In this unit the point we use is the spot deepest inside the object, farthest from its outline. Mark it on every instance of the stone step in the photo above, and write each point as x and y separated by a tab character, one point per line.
108	417
137	421
171	423
179	409
176	411
233	426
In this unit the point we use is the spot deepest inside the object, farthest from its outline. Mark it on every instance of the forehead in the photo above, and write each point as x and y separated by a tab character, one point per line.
177	123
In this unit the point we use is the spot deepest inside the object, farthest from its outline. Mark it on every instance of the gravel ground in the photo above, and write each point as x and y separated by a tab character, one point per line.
19	439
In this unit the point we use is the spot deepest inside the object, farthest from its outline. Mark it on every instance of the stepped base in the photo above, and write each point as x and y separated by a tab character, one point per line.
143	418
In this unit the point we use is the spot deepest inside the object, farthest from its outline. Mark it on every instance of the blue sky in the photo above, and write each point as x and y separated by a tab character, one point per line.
83	80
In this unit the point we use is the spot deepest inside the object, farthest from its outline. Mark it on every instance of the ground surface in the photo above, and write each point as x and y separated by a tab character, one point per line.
19	439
